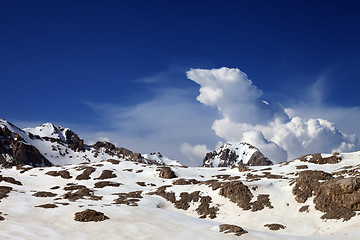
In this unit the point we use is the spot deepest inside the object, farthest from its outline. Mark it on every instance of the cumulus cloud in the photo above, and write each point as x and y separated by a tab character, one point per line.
268	126
194	152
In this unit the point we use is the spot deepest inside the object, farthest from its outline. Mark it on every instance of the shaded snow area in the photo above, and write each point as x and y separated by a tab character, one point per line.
121	199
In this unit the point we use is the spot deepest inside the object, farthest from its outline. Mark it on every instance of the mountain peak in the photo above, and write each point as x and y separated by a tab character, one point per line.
235	154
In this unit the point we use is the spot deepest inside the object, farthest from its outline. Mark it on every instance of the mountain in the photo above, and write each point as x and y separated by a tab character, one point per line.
232	155
54	186
48	145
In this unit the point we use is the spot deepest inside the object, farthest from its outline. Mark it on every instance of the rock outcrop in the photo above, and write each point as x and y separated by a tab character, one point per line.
15	151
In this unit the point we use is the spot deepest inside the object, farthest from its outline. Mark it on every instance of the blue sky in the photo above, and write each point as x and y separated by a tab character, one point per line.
100	67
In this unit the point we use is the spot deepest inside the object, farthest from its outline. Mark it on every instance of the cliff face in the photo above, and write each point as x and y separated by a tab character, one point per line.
231	155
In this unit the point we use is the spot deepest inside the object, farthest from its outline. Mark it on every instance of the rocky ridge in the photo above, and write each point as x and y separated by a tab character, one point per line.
48	145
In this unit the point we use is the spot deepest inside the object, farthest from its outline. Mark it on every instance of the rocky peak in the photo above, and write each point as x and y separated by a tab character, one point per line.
235	154
50	132
14	150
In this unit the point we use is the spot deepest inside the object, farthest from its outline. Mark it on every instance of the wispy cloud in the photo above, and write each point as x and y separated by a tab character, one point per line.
162	124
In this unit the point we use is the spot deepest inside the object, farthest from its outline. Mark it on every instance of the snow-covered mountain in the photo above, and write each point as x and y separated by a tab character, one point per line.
78	191
235	154
48	145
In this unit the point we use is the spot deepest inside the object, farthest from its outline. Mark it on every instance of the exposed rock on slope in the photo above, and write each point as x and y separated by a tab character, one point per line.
90	215
14	150
230	155
48	145
319	158
236	202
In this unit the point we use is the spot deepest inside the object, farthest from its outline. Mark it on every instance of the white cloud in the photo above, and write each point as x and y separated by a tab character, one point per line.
232	109
194	153
246	117
162	123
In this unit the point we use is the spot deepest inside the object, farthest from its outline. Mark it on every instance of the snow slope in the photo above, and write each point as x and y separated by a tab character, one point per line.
148	215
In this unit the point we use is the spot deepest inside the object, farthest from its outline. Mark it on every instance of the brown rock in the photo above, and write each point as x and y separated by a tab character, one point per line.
275	226
129	199
183	181
48	205
86	173
103	184
80	194
166	172
63	173
318	159
4	190
44	194
238	193
304	209
307	183
10	180
107	174
228	228
90	215
113	161
261	202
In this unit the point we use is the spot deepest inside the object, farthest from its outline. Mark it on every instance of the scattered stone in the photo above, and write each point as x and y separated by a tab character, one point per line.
113	161
185	199
44	194
106	174
48	205
204	208
63	173
129	199
304	209
10	180
80	194
261	202
161	191
275	226
72	186
142	184
98	165
90	215
167	173
4	190
23	168
86	173
228	228
103	184
183	181
302	167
